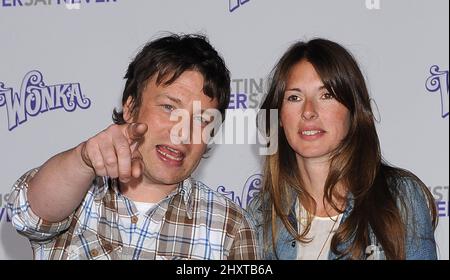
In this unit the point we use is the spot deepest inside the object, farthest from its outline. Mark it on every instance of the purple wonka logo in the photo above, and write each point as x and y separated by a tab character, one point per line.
69	4
234	4
36	97
251	187
438	81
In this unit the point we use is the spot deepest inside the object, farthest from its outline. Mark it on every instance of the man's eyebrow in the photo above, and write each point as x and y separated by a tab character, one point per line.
207	112
178	101
172	98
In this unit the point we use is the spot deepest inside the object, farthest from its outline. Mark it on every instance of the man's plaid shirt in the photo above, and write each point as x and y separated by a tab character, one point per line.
193	222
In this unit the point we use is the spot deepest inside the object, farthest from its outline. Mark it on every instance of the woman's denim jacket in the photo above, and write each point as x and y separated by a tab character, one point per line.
420	243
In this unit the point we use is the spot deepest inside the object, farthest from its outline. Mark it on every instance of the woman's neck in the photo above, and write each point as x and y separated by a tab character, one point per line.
314	174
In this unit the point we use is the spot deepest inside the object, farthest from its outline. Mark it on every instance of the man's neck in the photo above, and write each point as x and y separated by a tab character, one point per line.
138	190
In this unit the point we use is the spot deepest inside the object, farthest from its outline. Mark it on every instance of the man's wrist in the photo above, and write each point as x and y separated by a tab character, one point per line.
85	163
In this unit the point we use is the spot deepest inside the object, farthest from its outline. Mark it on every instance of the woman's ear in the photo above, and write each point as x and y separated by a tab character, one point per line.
127	110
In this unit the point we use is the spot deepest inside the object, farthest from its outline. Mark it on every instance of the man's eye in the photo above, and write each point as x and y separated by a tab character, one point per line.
293	98
167	107
200	120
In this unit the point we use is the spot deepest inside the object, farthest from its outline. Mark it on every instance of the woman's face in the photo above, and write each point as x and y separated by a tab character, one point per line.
313	121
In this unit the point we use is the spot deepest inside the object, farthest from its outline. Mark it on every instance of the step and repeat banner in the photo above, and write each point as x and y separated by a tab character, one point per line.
76	53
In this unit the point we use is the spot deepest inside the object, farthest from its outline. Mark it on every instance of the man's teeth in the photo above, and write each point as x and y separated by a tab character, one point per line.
310	132
172	150
169	156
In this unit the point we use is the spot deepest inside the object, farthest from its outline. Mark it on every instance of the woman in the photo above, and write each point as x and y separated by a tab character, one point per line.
327	192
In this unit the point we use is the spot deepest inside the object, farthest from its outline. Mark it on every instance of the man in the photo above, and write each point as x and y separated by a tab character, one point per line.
126	193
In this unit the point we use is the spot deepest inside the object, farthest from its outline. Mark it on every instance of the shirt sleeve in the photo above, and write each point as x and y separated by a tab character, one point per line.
255	213
420	241
245	245
25	221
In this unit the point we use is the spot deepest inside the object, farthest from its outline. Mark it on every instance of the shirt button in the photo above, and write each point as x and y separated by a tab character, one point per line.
293	244
94	252
134	219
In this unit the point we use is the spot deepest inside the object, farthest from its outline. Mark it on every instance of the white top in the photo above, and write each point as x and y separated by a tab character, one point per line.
143	207
321	231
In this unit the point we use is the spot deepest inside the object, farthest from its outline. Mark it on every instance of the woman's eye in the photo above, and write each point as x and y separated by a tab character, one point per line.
327	95
293	98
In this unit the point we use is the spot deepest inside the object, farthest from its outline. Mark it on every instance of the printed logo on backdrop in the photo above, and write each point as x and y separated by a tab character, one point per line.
243	114
441	196
4	216
438	82
246	93
244	124
69	4
373	4
35	97
235	4
254	184
251	187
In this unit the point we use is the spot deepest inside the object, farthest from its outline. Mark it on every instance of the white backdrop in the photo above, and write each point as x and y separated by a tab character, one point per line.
84	49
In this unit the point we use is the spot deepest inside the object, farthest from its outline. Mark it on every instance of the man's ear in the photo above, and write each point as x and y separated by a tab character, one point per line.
127	110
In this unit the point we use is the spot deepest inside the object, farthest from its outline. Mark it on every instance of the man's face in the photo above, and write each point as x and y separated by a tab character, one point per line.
164	162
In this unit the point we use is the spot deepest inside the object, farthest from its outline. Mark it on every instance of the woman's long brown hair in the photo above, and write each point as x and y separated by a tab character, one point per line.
356	164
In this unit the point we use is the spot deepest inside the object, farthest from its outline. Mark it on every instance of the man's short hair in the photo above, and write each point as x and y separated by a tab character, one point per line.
169	57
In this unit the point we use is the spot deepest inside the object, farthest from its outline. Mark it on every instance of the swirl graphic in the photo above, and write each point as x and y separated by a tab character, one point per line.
254	184
229	194
81	101
71	103
84	102
34	78
33	82
2	94
438	81
251	187
433	82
